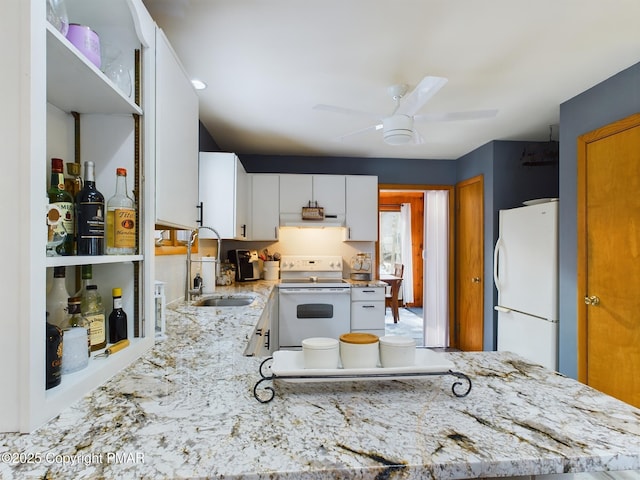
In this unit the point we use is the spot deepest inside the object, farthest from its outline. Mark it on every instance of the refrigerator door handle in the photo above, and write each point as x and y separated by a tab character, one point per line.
496	256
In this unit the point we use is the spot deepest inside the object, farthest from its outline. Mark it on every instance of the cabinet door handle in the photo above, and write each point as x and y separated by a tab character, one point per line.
267	335
244	230
201	208
368	306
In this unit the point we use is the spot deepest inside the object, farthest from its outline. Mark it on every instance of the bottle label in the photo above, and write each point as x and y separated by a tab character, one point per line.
92	225
124	228
117	302
65	225
97	330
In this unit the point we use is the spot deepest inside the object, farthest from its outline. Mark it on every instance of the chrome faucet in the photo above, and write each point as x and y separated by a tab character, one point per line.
188	291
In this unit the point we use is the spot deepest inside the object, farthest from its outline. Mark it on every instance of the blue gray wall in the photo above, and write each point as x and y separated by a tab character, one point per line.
607	102
388	170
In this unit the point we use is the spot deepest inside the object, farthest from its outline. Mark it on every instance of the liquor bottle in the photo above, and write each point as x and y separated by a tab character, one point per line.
121	219
73	182
57	299
76	352
93	313
65	202
90	215
74	307
86	274
117	319
53	356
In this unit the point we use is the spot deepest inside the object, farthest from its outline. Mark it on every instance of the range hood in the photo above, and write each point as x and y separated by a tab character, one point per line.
295	220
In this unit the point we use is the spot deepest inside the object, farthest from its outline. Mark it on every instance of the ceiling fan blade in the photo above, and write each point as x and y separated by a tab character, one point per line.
455	116
346	111
358	132
415	100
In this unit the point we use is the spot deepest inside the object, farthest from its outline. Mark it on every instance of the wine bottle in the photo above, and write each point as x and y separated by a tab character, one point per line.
64	201
117	319
53	356
121	219
93	313
57	299
90	215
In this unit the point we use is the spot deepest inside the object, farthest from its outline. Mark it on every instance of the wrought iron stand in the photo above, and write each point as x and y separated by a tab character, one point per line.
459	389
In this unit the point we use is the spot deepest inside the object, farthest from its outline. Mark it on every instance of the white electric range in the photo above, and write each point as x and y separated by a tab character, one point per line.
314	300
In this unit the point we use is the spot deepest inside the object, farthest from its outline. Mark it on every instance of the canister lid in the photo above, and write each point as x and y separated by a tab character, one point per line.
359	338
397	341
319	343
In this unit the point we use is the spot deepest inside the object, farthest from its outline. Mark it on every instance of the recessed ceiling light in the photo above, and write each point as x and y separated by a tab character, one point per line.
198	84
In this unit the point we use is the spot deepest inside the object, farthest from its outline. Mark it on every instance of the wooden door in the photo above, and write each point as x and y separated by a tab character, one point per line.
390	201
469	249
609	259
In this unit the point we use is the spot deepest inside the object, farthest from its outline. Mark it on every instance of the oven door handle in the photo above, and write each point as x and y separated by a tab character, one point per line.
316	291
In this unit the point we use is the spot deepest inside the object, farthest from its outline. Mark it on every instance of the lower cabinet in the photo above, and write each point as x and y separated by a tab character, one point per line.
367	310
261	343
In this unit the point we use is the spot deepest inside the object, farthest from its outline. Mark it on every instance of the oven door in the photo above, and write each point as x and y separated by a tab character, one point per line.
312	312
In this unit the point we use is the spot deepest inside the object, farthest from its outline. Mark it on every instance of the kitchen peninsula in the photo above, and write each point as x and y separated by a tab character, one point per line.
186	409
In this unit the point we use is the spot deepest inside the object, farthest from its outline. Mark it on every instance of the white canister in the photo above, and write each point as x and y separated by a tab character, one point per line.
320	352
359	350
271	270
397	351
75	351
208	274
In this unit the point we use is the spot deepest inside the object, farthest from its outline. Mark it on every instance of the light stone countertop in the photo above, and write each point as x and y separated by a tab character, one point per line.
186	409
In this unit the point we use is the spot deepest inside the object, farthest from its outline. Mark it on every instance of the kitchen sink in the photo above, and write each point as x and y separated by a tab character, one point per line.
224	302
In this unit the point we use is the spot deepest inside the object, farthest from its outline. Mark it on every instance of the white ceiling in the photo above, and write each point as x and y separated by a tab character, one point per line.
267	63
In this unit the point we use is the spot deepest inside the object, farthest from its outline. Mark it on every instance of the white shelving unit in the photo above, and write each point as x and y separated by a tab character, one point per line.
60	93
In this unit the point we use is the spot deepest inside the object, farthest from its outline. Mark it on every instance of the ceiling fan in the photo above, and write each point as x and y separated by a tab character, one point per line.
397	127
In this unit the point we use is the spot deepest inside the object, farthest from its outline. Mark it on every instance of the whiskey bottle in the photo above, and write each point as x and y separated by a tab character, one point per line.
121	219
117	319
76	319
64	201
53	356
93	313
90	215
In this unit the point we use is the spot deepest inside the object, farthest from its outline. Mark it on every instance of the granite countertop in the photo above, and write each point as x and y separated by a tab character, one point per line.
186	409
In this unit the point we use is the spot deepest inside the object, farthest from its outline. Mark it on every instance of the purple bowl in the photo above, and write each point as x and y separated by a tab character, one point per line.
85	40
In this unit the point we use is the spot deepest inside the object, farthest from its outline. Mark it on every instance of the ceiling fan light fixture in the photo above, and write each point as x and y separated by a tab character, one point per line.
397	129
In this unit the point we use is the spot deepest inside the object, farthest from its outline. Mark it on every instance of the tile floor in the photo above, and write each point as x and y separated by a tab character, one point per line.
410	325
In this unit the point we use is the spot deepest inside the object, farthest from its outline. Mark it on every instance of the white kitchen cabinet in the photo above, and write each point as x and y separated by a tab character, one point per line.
261	343
176	147
361	208
367	310
265	206
297	190
223	193
50	92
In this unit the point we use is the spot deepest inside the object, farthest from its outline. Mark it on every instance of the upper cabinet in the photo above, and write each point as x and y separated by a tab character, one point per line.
264	206
176	145
362	208
58	103
224	195
297	191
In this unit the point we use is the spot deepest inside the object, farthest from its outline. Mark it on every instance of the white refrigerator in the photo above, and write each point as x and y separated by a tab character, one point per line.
525	271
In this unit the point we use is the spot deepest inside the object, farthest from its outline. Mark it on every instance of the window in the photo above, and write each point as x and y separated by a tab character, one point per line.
172	242
390	241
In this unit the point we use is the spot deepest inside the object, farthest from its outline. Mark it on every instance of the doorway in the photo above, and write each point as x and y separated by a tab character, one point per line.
608	275
404	244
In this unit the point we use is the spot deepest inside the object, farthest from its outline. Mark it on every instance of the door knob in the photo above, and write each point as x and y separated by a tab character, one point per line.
475	279
592	300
